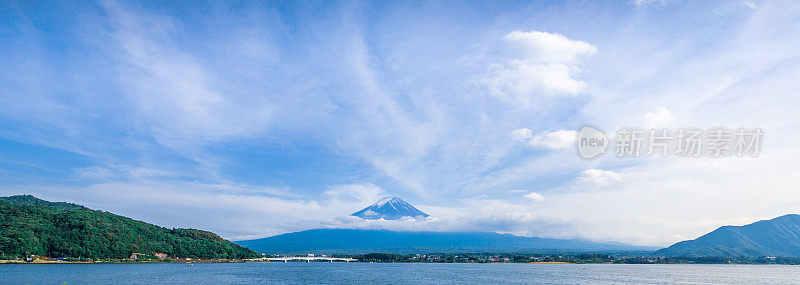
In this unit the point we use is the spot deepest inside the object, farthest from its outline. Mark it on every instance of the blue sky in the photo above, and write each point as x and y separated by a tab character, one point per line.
257	118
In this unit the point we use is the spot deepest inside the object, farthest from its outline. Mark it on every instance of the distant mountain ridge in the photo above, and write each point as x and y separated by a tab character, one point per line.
779	237
354	241
29	225
390	208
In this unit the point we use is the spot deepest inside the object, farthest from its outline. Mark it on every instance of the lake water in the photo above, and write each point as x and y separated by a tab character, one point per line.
396	273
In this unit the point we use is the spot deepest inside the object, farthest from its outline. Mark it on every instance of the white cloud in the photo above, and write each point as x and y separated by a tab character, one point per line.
545	64
114	172
598	176
522	81
544	47
557	140
659	118
361	192
533	196
639	3
522	134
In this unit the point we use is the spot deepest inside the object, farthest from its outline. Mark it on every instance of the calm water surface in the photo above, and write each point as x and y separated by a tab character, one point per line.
395	273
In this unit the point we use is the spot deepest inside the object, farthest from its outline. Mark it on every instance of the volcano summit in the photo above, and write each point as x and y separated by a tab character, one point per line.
390	208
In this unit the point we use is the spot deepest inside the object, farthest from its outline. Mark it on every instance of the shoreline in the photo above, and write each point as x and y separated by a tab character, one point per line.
248	261
41	261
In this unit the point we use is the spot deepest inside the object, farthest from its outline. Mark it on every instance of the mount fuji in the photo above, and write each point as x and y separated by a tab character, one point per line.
361	241
390	208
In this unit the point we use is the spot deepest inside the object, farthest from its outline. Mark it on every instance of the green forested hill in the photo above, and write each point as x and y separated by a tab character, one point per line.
34	226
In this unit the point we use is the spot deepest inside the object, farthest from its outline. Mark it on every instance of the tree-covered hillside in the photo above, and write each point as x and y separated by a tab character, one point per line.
34	226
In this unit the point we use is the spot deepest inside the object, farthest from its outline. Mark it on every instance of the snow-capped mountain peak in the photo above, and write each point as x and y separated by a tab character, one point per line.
383	201
389	208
